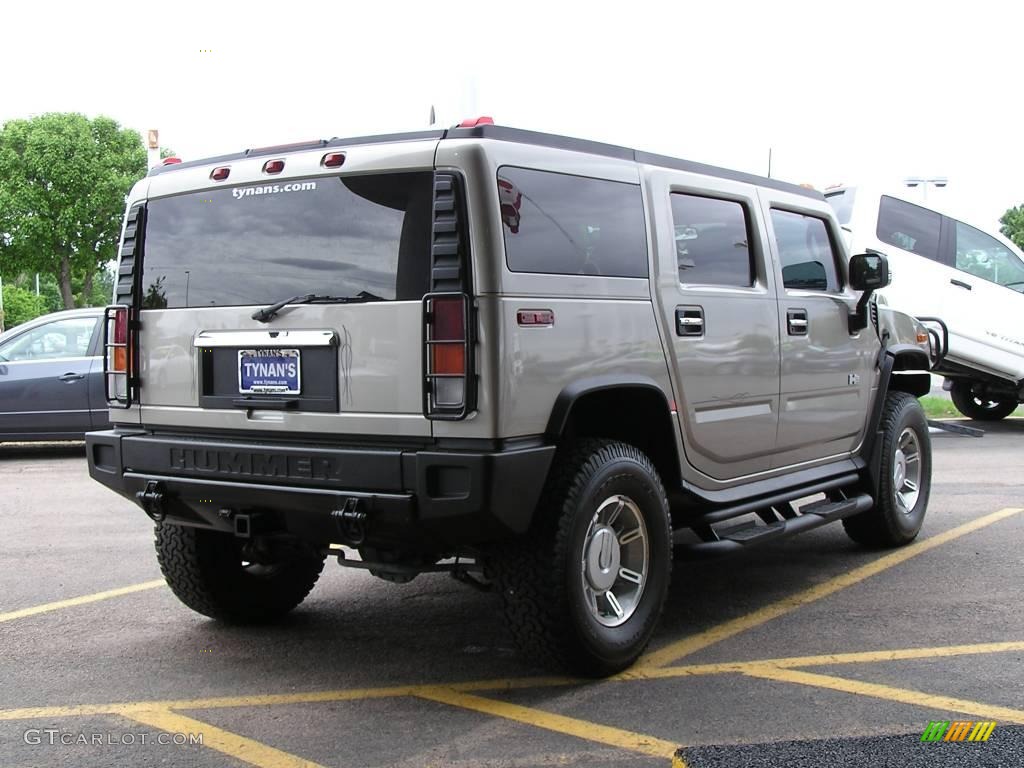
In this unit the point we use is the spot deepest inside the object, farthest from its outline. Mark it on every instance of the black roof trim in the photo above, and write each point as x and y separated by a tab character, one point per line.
503	133
521	136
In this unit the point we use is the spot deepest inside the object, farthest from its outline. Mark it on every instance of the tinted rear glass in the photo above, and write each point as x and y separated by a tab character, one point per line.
909	227
258	244
572	225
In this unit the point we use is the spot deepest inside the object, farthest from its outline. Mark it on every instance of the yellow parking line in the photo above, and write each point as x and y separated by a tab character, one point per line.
873	657
902	695
83	600
582	729
728	629
225	742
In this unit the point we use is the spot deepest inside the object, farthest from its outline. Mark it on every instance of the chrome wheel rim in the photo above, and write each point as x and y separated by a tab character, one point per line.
615	561
906	470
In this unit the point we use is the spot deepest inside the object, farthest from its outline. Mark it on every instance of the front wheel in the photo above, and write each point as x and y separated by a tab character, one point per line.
585	589
208	572
901	498
978	407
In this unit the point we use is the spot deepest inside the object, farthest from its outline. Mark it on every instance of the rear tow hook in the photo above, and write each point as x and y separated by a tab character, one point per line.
351	522
152	501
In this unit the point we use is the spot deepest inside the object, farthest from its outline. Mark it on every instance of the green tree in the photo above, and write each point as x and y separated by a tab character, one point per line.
1013	225
21	305
63	182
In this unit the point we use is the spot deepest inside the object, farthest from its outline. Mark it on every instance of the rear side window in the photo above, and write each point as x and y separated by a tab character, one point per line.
909	227
712	241
983	256
257	244
805	249
571	225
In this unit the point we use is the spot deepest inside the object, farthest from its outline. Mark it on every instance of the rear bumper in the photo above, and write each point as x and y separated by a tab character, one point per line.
410	496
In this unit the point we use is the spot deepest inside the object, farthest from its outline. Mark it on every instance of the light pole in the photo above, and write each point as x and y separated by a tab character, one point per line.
188	275
916	181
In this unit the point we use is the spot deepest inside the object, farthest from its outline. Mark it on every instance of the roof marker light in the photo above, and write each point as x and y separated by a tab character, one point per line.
219	174
171	160
333	160
273	166
473	122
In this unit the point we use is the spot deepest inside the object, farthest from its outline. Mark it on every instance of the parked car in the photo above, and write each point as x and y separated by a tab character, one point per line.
51	377
490	350
971	279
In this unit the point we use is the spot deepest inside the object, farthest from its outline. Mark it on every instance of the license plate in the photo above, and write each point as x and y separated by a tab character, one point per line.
269	371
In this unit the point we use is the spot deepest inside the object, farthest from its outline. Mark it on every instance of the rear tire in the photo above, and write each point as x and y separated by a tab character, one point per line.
205	571
585	589
978	407
905	477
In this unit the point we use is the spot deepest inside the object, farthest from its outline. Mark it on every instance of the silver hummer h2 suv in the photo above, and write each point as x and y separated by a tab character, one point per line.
539	363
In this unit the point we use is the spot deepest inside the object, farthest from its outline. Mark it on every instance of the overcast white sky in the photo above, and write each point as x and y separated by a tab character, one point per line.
843	92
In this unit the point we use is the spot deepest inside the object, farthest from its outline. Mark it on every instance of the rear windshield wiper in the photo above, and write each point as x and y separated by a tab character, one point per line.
267	314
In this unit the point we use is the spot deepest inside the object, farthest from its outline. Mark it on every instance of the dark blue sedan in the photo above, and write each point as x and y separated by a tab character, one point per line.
51	377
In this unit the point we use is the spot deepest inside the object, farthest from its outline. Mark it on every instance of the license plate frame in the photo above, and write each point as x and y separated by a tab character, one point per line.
267	382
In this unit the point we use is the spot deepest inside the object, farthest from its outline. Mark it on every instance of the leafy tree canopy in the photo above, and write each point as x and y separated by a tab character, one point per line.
1013	225
63	182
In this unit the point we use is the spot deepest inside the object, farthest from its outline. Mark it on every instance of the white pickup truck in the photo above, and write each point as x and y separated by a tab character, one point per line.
943	268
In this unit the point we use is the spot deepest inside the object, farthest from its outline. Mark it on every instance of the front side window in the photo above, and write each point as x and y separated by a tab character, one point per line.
805	249
257	244
52	341
984	256
909	227
571	225
712	241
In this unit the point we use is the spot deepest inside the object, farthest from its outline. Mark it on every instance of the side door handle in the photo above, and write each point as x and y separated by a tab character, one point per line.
690	321
961	284
72	377
796	322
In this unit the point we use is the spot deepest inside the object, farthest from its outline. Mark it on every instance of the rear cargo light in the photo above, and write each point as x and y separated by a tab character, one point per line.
447	347
219	174
172	160
119	358
333	160
273	166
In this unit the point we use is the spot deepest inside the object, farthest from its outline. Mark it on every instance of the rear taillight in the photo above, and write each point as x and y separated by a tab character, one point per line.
118	359
448	380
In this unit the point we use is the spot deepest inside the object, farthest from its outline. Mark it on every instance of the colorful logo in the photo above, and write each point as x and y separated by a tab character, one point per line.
958	730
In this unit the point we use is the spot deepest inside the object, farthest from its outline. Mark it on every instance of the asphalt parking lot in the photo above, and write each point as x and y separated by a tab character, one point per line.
809	651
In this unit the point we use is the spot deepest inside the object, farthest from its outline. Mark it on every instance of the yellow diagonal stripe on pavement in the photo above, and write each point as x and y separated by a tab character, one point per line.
571	726
83	600
225	742
875	690
694	643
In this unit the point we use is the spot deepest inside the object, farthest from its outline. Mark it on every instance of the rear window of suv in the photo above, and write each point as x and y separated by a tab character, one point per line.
257	244
555	223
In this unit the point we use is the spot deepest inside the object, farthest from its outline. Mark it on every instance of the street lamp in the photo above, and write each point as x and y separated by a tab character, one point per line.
188	276
915	181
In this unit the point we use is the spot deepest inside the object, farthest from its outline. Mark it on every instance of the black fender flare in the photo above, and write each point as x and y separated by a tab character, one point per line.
573	392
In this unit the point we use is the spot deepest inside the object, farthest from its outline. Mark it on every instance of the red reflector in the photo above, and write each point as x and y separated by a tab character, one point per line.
449	323
172	160
219	174
449	358
333	160
273	166
473	122
535	317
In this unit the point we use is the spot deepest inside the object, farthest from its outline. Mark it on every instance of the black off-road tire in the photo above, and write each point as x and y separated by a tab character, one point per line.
979	408
205	571
887	524
540	578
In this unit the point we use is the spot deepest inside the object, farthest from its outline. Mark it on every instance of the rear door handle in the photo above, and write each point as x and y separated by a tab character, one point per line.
690	321
72	377
961	284
796	322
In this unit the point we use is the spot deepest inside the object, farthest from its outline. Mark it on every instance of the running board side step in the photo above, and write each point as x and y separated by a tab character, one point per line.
745	536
